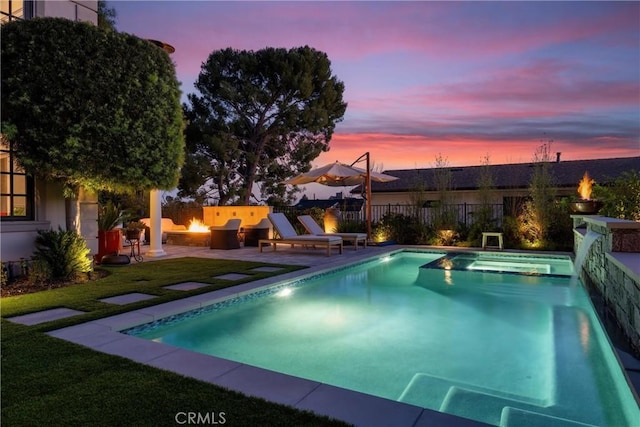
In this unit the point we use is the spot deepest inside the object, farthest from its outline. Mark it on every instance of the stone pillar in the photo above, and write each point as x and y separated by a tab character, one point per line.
155	202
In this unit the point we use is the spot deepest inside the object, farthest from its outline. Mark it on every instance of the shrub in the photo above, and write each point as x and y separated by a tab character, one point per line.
61	255
560	231
352	226
110	215
511	232
4	275
403	229
622	197
555	235
39	272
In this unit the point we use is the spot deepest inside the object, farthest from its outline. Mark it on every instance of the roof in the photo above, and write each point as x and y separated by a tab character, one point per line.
518	175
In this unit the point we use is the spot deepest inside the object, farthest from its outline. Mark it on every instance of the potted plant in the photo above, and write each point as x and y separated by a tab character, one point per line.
109	217
133	230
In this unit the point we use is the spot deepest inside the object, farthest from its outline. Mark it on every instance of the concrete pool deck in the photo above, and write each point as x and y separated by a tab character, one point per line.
356	408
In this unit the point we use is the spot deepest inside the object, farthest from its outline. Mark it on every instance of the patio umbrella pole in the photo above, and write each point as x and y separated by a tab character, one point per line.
367	191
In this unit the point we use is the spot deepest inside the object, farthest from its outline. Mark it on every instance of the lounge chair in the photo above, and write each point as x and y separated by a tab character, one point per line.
225	236
289	236
312	227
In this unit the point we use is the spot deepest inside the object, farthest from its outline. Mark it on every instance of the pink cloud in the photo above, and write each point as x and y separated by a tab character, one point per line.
456	78
414	151
348	31
545	88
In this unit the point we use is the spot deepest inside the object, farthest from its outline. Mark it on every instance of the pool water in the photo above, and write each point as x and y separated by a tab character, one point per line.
504	349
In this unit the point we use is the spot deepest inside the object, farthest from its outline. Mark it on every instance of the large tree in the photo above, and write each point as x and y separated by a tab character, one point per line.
92	108
261	117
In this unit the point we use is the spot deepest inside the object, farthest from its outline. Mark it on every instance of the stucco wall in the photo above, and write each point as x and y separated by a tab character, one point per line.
463	196
250	215
75	10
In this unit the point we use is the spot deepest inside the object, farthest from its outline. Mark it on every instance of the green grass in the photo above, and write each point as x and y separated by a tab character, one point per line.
47	381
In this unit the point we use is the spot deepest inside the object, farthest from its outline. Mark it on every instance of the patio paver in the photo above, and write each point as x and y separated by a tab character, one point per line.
44	316
186	286
267	269
232	276
127	298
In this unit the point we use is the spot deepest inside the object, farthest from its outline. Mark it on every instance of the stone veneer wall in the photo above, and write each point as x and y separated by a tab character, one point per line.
611	267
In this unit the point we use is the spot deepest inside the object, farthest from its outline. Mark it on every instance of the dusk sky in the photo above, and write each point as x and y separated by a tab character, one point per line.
458	79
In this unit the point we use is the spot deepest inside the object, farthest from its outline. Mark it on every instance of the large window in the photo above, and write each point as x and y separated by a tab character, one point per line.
16	187
11	10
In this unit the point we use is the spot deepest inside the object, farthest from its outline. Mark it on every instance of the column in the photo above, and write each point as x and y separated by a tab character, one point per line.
155	202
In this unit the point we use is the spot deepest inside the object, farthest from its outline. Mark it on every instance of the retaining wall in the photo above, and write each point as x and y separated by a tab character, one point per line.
612	268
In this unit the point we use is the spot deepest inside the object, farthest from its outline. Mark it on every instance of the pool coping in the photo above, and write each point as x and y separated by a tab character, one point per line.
105	335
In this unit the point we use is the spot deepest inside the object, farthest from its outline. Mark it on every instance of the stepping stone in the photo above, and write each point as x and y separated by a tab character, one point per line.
267	269
232	276
186	286
127	298
44	316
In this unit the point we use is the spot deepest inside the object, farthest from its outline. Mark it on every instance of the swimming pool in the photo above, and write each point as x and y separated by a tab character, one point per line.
423	328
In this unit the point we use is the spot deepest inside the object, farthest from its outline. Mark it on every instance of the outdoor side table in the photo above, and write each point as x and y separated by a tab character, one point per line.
135	249
253	234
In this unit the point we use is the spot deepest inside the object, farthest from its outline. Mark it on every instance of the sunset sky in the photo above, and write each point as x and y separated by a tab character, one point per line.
458	79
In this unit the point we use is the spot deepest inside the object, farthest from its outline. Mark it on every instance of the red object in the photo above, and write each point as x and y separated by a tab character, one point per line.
109	243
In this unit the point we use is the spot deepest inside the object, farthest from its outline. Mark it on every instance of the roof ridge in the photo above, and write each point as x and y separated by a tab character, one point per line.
511	164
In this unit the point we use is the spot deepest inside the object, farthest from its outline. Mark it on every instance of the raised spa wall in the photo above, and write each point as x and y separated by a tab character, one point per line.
612	268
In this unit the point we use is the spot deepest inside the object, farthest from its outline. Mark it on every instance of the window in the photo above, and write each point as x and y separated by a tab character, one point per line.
16	187
10	10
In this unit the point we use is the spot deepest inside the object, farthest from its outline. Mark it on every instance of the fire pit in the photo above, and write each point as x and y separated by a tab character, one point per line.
197	234
586	205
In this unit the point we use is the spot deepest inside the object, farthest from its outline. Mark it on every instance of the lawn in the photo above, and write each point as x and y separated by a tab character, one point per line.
47	381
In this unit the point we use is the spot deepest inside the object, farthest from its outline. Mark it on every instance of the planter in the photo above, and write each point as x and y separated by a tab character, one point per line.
586	207
133	234
115	259
109	243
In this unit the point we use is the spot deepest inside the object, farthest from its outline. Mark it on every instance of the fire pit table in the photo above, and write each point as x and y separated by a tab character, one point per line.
188	238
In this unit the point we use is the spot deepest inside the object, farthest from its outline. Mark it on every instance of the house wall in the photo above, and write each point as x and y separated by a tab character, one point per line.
461	196
75	10
18	237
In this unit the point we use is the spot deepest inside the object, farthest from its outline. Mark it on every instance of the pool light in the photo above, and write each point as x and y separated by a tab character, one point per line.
285	292
385	259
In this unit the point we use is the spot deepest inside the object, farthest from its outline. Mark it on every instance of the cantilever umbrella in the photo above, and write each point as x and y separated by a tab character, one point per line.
340	174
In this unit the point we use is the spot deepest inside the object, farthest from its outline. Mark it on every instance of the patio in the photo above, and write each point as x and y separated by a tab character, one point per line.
284	255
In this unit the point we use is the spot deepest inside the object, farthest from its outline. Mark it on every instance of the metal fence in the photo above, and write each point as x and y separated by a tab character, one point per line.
462	213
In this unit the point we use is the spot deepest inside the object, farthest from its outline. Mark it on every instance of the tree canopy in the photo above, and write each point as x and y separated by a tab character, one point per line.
90	107
261	117
106	16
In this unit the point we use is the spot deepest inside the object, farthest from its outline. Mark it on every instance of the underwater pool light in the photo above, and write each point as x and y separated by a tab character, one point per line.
285	292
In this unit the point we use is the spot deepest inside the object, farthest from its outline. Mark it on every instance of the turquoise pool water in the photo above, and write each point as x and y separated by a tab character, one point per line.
424	328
